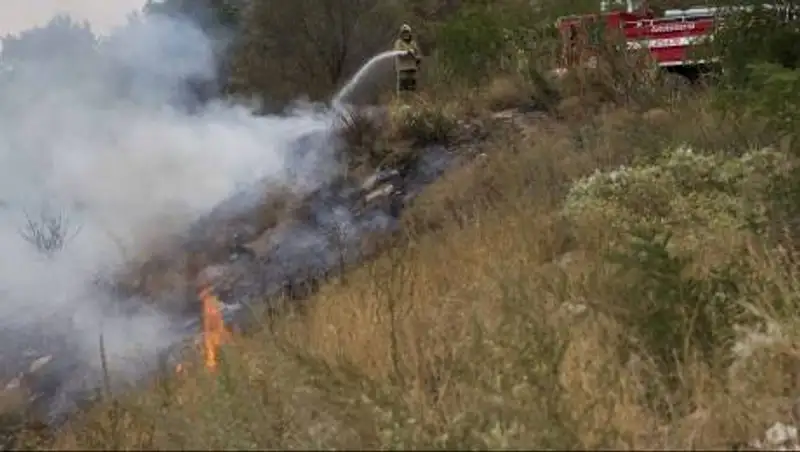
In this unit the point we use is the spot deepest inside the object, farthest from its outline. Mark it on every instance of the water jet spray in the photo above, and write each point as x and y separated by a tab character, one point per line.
362	74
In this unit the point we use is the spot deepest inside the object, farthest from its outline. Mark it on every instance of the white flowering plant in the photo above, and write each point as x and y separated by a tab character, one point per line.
659	222
686	193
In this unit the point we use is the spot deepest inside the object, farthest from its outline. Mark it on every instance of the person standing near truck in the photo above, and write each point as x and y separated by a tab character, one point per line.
407	64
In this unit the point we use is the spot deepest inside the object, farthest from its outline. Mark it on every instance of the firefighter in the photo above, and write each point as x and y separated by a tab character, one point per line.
406	64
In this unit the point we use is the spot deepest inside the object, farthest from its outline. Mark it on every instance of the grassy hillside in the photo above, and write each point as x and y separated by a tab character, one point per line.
545	295
617	267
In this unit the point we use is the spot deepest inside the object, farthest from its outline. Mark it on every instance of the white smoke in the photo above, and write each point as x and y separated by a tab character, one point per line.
102	135
103	14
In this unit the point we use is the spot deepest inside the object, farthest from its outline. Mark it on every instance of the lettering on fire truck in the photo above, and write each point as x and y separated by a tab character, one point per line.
666	28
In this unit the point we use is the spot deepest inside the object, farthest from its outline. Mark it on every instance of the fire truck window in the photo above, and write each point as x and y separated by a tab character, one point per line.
638	5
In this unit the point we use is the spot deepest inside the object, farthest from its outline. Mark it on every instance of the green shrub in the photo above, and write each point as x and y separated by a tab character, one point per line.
755	36
678	230
760	58
471	41
772	94
483	37
683	192
673	316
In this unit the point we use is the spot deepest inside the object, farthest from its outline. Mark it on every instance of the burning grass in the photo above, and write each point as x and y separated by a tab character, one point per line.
215	334
501	322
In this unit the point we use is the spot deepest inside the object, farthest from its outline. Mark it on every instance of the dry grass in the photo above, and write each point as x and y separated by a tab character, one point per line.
489	328
506	92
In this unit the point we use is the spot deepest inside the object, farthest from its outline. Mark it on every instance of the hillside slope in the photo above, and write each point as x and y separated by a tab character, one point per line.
560	290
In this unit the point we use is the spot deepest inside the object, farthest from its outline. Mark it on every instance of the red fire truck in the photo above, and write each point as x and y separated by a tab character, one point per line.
671	38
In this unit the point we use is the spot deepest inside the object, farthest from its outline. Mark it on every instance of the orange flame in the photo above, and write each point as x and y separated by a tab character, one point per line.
214	332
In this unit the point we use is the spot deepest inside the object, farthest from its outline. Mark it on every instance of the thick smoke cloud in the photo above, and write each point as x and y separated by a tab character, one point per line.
100	131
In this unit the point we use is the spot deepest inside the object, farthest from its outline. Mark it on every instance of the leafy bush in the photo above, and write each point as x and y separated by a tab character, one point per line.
470	42
673	315
772	94
683	192
484	36
759	58
757	35
676	230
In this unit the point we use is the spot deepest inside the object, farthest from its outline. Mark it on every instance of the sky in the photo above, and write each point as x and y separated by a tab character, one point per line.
103	15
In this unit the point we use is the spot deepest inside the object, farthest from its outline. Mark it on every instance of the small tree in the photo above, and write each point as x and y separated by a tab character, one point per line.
50	232
759	35
760	62
60	40
308	46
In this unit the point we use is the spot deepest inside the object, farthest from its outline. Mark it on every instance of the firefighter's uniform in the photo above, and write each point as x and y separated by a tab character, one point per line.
407	64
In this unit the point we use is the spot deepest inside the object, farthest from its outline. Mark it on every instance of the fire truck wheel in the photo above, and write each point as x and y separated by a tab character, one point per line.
676	83
707	80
